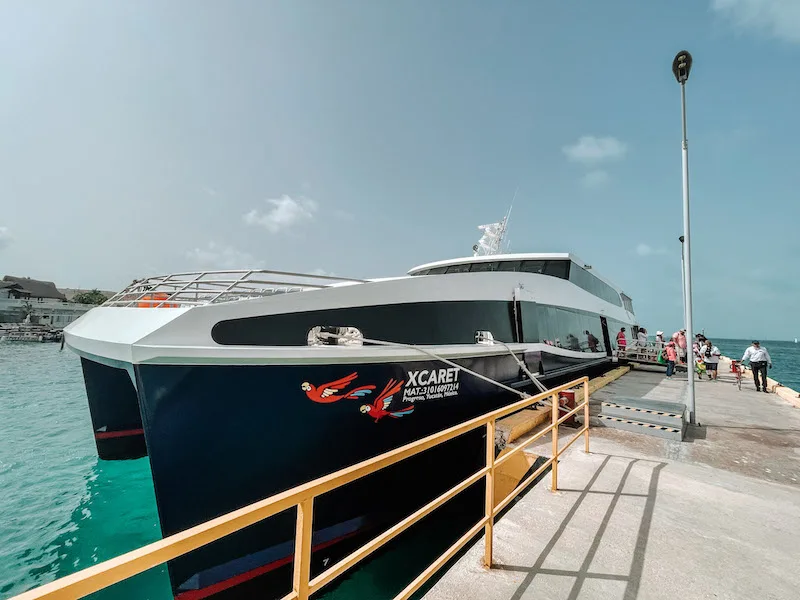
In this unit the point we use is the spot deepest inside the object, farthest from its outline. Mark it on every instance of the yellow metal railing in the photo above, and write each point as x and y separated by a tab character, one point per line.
302	497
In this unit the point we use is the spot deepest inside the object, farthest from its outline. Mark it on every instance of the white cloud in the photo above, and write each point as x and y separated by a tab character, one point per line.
777	18
5	237
596	178
219	256
647	250
590	150
284	212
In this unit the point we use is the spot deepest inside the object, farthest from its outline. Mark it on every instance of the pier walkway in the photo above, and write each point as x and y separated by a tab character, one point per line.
714	516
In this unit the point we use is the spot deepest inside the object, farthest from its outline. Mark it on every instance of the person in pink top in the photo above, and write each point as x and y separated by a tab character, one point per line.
679	337
622	343
671	352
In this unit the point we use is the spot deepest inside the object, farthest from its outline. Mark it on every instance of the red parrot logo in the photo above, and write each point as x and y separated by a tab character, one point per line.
378	409
335	390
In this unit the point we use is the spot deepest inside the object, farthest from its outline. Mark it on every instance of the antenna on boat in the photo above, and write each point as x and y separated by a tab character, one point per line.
508	218
491	241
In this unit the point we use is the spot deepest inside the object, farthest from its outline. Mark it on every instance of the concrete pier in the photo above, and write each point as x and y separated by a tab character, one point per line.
714	516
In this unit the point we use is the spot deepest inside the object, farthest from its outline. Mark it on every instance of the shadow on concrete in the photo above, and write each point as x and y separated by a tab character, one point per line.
633	579
695	432
776	429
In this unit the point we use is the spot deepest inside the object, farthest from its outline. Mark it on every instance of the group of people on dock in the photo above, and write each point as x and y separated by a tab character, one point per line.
705	355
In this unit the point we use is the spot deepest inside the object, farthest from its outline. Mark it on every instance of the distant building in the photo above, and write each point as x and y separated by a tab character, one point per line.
23	297
70	293
25	288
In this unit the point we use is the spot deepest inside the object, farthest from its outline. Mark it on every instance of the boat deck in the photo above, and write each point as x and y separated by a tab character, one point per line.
714	516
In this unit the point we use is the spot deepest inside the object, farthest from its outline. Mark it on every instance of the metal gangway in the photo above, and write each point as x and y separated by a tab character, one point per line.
646	354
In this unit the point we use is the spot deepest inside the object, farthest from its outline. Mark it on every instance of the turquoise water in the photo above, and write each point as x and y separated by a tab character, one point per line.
63	509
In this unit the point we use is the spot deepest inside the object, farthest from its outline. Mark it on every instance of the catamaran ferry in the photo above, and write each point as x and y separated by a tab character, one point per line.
239	385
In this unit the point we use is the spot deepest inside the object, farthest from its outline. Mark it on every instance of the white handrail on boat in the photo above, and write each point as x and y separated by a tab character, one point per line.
210	287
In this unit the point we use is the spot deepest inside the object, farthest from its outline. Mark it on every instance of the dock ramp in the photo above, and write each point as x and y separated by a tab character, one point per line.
650	417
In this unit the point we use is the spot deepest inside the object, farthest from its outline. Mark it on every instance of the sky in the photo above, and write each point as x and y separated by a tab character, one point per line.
362	138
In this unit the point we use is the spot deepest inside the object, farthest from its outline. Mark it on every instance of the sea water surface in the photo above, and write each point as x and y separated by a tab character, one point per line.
785	358
62	509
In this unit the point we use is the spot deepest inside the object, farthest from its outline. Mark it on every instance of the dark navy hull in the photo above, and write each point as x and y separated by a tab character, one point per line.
114	408
221	437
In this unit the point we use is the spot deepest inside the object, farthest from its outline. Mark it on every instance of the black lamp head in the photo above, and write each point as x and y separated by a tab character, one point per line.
681	66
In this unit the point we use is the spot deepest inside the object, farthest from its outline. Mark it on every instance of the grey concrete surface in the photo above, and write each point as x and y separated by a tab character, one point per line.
717	516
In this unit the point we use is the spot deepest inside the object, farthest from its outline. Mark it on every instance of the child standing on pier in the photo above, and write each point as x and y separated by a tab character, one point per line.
672	355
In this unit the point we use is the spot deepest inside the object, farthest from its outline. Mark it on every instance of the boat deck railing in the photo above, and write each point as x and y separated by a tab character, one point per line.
210	287
635	351
302	498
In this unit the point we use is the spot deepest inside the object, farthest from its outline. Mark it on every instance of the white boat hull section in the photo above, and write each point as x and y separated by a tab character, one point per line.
147	334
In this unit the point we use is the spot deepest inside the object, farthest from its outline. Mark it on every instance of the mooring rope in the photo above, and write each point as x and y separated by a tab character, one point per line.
524	368
523	395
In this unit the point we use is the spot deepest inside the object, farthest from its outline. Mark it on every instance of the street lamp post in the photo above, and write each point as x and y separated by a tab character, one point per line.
683	282
681	66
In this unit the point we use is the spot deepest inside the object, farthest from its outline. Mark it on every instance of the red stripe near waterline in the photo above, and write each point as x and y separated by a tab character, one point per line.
253	573
104	435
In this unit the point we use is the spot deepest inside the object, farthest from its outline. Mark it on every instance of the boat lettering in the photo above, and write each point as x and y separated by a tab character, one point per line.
425	377
431	384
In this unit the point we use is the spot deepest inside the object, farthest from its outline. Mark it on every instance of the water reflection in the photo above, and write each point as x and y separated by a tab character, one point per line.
116	513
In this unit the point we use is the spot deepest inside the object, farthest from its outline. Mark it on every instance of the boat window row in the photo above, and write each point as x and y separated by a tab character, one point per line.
554	268
627	303
567	328
444	322
563	328
563	269
585	280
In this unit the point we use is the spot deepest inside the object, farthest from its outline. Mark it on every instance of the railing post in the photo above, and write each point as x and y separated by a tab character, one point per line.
554	434
489	530
586	414
302	548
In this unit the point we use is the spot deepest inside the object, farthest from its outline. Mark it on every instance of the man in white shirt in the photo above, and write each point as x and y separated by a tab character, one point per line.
710	355
759	359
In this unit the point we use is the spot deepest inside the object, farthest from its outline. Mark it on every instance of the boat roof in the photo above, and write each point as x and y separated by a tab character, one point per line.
509	257
499	257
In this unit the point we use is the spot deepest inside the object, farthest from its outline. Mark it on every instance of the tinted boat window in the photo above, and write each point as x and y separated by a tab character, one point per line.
484	266
561	327
444	322
533	266
557	268
509	265
437	270
464	268
585	280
